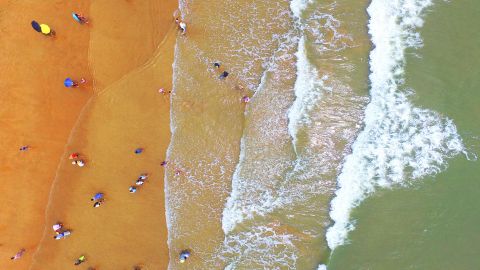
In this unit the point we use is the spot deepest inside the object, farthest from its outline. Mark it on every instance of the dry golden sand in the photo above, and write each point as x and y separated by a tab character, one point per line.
128	57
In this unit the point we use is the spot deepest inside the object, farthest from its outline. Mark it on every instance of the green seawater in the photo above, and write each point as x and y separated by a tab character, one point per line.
435	223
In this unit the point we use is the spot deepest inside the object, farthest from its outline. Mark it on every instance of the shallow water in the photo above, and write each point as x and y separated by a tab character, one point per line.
249	193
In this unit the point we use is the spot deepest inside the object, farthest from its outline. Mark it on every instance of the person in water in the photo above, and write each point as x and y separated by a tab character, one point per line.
183	27
223	75
184	255
24	148
132	189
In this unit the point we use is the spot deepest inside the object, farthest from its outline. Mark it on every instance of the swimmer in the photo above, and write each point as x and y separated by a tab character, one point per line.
223	75
139	182
245	99
183	27
132	189
184	256
24	148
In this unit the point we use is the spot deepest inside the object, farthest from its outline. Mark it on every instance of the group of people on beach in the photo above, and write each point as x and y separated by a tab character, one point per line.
60	233
224	74
139	182
46	30
99	198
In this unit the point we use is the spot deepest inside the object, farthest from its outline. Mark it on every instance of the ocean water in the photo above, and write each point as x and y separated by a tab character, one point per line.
335	119
429	222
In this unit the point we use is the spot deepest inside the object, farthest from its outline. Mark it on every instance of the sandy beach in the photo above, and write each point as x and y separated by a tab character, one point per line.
117	111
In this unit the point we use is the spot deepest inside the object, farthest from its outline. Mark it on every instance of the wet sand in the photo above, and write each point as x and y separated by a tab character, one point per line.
106	121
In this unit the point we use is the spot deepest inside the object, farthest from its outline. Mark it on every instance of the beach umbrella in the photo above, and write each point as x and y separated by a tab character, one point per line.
98	196
75	17
45	29
36	26
68	82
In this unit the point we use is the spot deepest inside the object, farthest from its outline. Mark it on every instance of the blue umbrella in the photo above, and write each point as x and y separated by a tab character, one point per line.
36	26
68	82
98	196
75	17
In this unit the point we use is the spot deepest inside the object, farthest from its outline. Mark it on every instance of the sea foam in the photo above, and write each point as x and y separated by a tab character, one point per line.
400	143
306	89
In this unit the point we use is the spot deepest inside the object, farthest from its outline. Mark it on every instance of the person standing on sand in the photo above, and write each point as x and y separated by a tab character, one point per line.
62	235
18	255
79	163
68	82
162	91
80	260
57	227
79	18
97	204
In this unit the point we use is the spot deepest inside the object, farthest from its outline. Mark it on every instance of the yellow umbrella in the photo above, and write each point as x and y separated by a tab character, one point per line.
45	29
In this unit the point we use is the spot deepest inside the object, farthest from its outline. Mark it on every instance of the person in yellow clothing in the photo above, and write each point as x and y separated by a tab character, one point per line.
80	260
